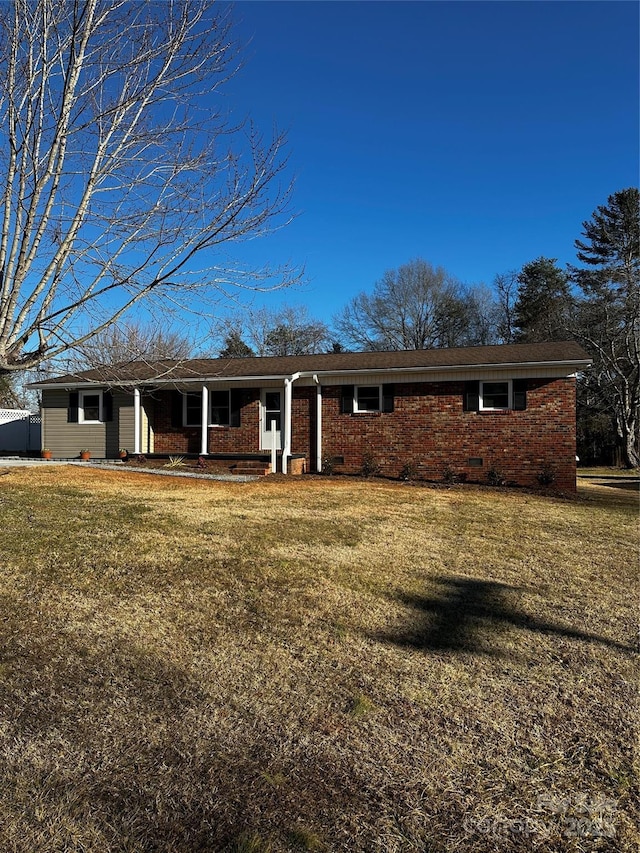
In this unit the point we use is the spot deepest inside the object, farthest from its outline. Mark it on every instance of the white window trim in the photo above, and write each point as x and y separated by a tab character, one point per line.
367	411
506	408
81	417
198	423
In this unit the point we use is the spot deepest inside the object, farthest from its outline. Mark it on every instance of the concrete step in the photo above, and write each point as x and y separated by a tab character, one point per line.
259	469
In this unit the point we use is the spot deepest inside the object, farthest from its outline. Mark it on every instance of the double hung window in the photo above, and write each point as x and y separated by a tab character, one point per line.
192	408
370	399
219	408
367	398
90	407
495	395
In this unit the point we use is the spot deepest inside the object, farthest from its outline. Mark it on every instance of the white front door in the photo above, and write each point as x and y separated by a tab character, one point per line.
270	411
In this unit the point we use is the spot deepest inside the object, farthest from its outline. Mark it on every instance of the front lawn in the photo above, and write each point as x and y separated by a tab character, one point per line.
314	664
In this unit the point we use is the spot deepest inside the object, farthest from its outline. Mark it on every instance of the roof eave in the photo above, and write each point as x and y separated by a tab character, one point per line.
572	364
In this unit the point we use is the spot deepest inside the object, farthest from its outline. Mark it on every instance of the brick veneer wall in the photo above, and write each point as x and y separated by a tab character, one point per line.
242	439
303	420
429	430
223	439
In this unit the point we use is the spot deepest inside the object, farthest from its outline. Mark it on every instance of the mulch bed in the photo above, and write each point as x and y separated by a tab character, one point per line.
206	466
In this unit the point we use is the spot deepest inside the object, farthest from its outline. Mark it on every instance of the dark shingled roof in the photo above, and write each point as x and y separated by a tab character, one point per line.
235	368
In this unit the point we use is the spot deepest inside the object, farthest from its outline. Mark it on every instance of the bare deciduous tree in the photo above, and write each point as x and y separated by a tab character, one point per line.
121	168
287	330
417	306
132	341
506	288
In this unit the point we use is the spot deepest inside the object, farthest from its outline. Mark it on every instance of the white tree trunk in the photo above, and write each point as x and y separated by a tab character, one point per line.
119	169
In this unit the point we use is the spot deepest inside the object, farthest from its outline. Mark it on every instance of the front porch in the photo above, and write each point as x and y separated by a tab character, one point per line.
243	426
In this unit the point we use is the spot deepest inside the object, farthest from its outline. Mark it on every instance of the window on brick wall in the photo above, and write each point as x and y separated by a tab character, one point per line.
367	398
495	396
192	408
220	408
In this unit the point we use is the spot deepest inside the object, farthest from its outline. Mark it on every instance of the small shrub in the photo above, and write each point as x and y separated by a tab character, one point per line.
201	463
450	476
328	465
370	465
496	477
546	476
175	462
409	471
140	458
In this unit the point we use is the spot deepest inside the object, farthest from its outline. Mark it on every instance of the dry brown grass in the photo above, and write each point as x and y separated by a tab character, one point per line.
314	664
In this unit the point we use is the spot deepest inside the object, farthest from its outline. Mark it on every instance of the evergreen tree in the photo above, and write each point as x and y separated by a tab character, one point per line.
235	347
541	310
608	319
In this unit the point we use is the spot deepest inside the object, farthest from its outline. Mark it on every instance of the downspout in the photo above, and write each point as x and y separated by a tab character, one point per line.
204	434
286	450
318	423
136	421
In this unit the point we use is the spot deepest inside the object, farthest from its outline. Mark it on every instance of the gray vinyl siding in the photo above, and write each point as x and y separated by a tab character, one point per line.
123	405
104	440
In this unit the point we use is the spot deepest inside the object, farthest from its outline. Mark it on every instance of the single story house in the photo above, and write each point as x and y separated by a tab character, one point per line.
468	410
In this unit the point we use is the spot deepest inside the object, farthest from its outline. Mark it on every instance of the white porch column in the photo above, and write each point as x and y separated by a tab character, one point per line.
318	425
286	450
136	420
204	437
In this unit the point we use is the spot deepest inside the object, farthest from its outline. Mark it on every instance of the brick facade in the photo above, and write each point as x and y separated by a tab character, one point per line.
221	439
427	430
303	420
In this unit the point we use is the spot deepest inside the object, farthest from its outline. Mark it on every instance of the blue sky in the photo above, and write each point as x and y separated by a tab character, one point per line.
477	136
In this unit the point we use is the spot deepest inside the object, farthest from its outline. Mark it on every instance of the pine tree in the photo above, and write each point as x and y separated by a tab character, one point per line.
609	313
542	306
235	347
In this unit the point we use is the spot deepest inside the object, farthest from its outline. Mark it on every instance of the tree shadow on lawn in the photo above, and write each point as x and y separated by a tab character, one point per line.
113	747
469	615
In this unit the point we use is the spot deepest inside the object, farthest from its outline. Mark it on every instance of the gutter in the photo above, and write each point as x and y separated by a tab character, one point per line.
577	365
318	423
310	374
